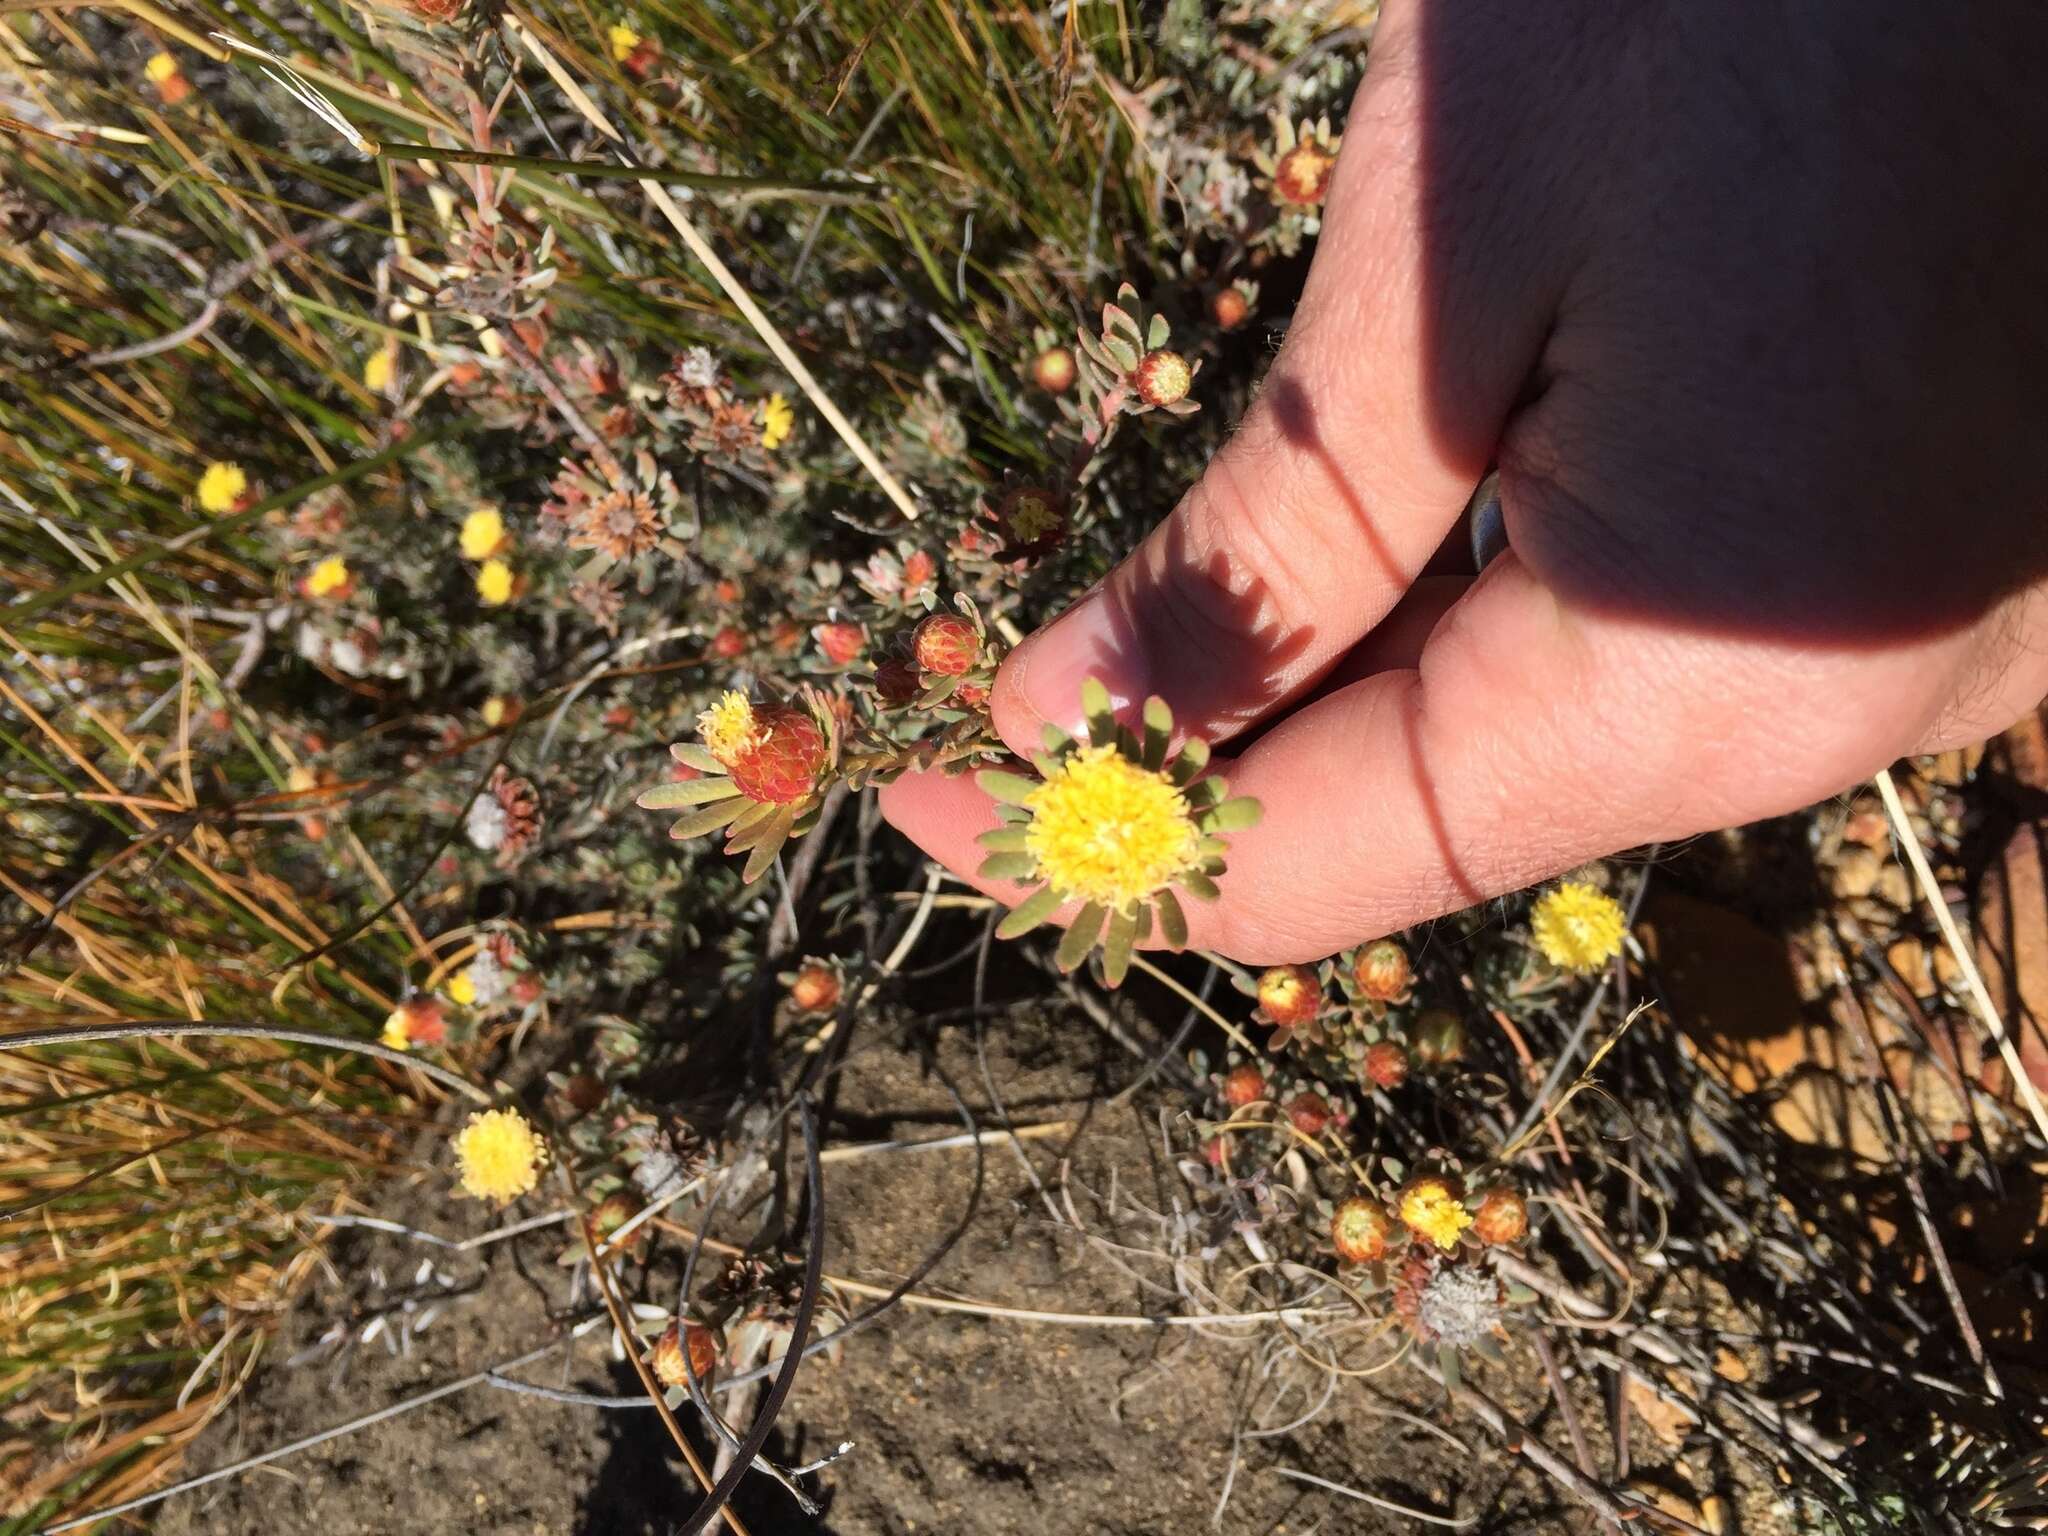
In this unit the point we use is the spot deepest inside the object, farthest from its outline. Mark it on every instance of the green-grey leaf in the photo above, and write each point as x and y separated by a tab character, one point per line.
750	828
1010	787
668	797
1157	334
1008	866
1009	839
763	856
709	819
1029	913
1194	757
1116	949
1199	886
1080	938
1234	815
1095	701
1158	732
1173	922
698	757
938	693
1053	738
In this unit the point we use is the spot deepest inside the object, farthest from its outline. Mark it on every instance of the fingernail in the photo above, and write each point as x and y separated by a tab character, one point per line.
1086	641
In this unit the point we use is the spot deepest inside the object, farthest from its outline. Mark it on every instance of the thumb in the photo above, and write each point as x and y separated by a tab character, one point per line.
1373	425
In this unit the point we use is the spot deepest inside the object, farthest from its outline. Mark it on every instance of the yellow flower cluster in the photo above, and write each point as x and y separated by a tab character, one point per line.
777	421
728	727
329	577
623	40
161	67
500	1156
379	368
483	533
1033	517
1431	1208
494	582
1109	831
221	487
1578	928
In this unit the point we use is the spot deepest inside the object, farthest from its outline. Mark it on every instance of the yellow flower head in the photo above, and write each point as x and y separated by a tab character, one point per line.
1110	831
776	421
328	577
378	369
1033	516
624	40
395	1035
483	533
494	711
223	485
1431	1207
161	67
1578	928
729	727
494	582
500	1155
461	989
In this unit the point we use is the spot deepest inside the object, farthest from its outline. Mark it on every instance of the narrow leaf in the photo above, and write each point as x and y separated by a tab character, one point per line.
696	756
1009	787
1157	334
1008	866
709	819
1116	949
1158	732
1173	922
1080	938
1234	815
765	851
1029	913
1199	886
668	797
1004	839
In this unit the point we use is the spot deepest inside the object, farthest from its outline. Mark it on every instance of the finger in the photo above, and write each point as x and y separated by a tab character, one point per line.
1372	427
944	815
1532	737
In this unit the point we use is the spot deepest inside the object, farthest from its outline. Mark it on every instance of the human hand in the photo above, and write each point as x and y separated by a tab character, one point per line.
1747	302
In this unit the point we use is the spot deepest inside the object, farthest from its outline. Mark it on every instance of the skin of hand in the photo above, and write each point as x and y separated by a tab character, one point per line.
1749	304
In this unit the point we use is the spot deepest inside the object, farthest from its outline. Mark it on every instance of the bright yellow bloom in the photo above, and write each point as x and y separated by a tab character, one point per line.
1431	1208
500	1155
624	40
461	989
379	368
329	577
223	485
494	582
494	711
161	67
729	727
483	533
395	1034
1578	928
1110	831
776	421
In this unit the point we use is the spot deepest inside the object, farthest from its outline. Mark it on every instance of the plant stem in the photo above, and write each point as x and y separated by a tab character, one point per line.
608	170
